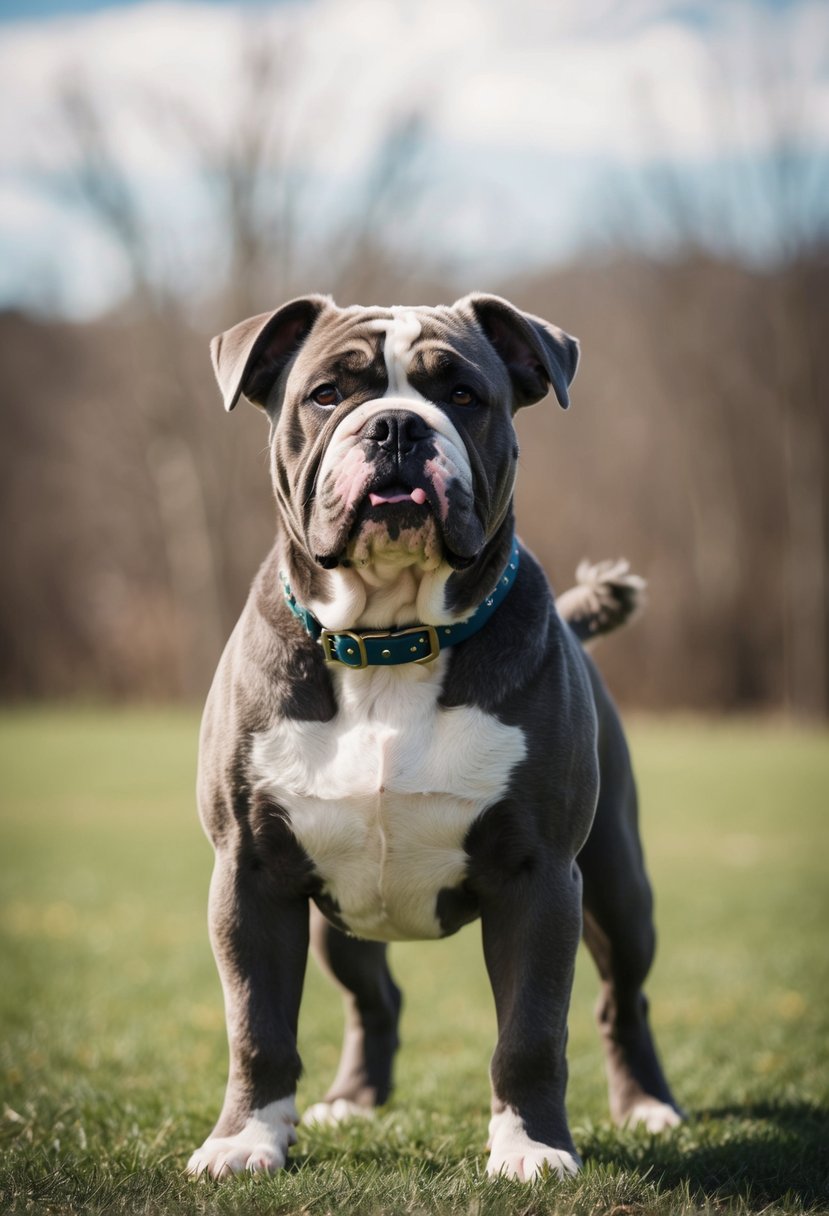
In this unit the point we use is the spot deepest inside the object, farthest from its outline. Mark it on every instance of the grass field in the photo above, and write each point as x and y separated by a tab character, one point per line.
113	1051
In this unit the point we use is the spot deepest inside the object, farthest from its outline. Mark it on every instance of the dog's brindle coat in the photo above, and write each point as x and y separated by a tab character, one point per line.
404	802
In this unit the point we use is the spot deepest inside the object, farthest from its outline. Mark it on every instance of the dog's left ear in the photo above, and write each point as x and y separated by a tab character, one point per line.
249	357
537	355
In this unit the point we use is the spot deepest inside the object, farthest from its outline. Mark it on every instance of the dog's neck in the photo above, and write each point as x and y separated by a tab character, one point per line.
390	592
394	588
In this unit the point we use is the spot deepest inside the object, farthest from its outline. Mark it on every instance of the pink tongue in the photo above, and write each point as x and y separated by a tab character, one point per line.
417	496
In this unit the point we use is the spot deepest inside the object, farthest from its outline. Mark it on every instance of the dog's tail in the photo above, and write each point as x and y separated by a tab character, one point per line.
605	596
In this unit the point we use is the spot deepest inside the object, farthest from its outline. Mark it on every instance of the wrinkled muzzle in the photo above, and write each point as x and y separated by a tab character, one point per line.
396	476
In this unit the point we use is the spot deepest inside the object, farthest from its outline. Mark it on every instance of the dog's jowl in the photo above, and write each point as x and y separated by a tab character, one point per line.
405	733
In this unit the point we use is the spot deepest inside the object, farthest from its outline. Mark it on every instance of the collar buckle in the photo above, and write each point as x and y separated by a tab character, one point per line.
356	653
328	639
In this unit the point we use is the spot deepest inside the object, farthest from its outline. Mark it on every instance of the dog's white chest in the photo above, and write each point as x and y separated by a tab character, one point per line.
381	797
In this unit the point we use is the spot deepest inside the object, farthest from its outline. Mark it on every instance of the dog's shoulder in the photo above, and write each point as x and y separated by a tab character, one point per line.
270	669
531	673
526	652
528	669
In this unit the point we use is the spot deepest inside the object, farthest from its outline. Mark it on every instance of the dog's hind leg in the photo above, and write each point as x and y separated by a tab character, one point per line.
372	1010
619	932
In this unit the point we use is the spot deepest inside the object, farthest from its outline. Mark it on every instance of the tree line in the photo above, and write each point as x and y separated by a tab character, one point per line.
136	512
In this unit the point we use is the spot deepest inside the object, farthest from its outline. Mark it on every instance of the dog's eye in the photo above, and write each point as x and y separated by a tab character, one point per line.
326	395
461	395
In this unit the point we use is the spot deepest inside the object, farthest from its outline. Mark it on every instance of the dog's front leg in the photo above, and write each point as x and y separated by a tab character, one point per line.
531	926
260	940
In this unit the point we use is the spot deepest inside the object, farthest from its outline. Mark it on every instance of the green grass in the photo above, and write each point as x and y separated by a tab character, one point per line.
113	1053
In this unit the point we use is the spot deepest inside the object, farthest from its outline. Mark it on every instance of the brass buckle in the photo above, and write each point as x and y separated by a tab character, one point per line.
331	656
330	653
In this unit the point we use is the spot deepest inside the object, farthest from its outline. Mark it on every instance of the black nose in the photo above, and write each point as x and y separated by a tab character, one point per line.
397	432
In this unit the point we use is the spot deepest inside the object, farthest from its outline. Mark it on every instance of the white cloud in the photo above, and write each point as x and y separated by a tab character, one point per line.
54	261
563	77
618	81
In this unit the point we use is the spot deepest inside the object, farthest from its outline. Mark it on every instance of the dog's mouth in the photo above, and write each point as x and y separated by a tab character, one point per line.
399	513
397	493
399	510
395	516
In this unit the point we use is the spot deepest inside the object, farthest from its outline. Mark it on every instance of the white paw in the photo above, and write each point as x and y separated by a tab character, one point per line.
514	1155
654	1116
327	1114
261	1146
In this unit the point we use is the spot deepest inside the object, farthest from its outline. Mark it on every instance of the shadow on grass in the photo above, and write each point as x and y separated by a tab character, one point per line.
757	1155
762	1152
735	1159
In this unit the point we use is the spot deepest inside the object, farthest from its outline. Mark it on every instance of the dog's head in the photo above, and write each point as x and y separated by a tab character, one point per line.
392	440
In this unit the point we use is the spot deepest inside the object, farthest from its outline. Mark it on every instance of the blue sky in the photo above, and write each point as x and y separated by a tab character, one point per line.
546	126
36	10
13	10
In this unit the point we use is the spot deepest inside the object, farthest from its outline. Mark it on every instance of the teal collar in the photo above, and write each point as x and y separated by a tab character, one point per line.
418	644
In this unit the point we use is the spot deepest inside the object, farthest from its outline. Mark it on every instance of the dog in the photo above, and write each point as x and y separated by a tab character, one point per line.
405	733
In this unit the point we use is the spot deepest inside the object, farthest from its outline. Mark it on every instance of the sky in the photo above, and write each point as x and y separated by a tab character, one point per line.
543	123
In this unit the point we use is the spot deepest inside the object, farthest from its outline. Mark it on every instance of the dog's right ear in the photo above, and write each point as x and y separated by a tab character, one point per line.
248	358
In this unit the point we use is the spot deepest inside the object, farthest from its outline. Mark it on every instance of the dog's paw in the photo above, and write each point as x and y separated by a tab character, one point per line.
221	1156
654	1116
514	1155
327	1114
260	1147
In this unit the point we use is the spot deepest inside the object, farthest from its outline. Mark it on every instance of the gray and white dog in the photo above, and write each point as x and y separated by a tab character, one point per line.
405	733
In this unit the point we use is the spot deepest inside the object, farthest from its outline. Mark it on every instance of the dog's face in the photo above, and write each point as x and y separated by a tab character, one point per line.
392	438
